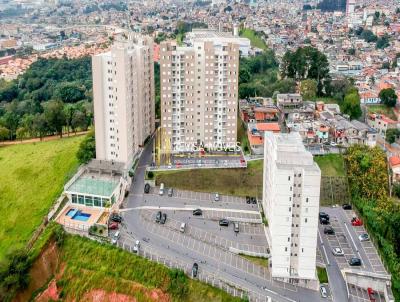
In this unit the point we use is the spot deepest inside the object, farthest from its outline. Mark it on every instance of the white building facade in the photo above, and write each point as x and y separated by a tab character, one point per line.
123	91
291	190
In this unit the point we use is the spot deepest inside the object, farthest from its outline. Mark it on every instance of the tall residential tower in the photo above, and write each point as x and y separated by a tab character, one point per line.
199	93
123	90
291	189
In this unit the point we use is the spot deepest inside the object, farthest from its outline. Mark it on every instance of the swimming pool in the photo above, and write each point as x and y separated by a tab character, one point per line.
78	215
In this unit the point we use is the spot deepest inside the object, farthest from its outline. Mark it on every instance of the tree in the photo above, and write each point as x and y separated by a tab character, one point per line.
54	115
369	36
351	51
79	120
87	149
388	97
40	125
383	42
4	133
392	135
351	105
70	92
69	110
308	89
22	133
385	65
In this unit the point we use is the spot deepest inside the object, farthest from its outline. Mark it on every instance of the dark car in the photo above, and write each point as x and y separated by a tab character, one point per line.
248	199
346	206
224	222
329	230
195	270
113	226
163	218
158	216
116	218
197	212
147	188
253	200
323	221
323	215
355	261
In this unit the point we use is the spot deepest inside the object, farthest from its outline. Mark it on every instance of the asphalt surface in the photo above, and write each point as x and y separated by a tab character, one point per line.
196	244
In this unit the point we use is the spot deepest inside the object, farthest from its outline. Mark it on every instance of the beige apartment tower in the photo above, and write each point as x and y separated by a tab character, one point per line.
199	93
123	91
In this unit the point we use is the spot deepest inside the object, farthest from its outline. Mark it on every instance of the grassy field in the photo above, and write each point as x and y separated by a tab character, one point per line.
242	136
240	182
31	178
331	164
257	260
382	109
254	38
322	275
90	265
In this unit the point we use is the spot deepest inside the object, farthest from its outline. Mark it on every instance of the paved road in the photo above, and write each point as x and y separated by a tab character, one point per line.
183	247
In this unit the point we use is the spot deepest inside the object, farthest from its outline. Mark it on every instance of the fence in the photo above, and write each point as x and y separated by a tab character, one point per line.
199	166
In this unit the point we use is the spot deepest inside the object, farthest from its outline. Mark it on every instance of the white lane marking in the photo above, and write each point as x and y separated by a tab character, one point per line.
323	248
355	246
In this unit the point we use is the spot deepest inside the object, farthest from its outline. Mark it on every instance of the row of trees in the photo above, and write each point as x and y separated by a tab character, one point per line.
368	36
368	180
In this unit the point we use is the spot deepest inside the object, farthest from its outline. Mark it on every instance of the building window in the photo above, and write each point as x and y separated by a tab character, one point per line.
305	220
307	199
74	198
81	199
285	249
288	177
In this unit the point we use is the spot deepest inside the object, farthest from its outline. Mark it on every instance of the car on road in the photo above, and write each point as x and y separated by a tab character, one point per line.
371	294
323	291
170	192
195	270
329	230
197	212
216	197
136	246
323	221
183	227
356	221
236	227
224	222
113	226
163	218
364	237
115	237
161	192
158	216
337	251
147	188
116	218
346	206
354	261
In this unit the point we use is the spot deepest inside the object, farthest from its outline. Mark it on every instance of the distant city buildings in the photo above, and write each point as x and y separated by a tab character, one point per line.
291	189
199	93
123	91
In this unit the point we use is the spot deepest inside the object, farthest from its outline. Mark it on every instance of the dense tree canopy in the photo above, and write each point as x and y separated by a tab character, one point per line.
388	97
351	105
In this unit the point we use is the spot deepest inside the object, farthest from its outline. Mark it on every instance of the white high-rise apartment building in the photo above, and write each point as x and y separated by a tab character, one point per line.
291	189
123	90
199	93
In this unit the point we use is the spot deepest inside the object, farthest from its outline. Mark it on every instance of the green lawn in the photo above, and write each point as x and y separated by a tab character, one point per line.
382	109
31	178
91	265
240	182
257	260
255	39
331	164
322	275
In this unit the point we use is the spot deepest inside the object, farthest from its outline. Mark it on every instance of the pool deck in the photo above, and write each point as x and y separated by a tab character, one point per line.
95	214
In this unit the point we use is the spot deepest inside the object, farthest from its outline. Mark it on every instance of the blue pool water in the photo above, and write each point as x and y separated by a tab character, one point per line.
71	213
77	215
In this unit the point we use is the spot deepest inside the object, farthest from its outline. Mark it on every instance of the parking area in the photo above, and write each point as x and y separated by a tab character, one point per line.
203	242
358	294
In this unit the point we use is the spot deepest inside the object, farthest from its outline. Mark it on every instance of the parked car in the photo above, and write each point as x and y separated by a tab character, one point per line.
333	144
236	227
195	270
115	237
161	192
216	197
323	215
147	188
224	222
346	206
323	291
170	192
197	212
356	221
253	200
113	226
329	230
116	218
364	237
354	261
337	251
163	218
371	294
248	199
183	227
323	221
158	216
136	246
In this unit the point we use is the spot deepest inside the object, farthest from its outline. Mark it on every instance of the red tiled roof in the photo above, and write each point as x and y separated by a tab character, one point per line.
394	161
268	127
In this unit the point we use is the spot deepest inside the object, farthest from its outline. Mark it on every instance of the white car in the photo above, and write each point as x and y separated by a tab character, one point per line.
216	197
115	238
136	246
364	237
333	144
337	251
323	291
